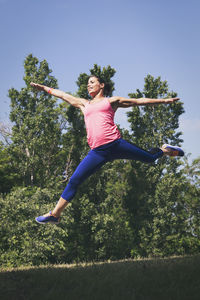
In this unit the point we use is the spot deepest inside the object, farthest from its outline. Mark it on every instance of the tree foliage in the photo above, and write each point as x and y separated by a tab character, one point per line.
126	209
36	131
8	173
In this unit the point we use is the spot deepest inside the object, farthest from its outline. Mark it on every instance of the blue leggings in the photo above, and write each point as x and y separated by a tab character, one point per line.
99	156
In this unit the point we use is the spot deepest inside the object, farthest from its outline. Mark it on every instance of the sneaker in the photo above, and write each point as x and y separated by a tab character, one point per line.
47	219
174	150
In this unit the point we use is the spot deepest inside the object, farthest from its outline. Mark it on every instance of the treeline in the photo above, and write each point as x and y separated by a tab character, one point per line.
127	209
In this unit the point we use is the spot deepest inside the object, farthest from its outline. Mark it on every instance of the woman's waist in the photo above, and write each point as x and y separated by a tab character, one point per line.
102	138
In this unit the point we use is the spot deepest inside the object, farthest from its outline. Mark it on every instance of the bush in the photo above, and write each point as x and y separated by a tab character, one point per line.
22	241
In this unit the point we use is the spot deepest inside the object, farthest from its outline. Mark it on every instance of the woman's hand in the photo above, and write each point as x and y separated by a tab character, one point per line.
38	86
171	100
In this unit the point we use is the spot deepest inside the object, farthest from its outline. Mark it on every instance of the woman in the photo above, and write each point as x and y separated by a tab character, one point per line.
103	137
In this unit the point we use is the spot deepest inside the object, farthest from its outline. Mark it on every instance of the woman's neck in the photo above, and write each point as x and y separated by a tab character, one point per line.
98	96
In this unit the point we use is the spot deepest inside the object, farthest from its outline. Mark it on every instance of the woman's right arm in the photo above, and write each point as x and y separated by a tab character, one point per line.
75	101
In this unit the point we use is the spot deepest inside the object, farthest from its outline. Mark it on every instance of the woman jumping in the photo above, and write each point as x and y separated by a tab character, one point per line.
103	137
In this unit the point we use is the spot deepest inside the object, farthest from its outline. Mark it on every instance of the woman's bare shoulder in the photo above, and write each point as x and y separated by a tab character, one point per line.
114	99
83	101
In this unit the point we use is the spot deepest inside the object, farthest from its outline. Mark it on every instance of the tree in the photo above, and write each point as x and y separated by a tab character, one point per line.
192	196
5	133
154	125
86	204
8	173
126	209
151	127
36	138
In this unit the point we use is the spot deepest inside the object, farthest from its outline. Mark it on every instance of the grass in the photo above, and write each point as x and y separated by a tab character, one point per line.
171	279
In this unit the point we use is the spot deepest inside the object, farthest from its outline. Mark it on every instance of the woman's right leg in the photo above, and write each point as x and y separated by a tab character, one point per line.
89	165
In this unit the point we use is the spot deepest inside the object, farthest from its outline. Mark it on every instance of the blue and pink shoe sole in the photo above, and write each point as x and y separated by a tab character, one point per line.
175	150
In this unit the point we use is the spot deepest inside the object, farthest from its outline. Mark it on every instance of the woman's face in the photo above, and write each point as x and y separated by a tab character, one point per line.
94	86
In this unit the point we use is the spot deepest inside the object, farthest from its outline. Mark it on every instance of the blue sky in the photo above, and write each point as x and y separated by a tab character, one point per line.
136	37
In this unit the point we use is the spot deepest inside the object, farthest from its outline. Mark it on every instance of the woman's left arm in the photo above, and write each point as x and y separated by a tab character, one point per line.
128	102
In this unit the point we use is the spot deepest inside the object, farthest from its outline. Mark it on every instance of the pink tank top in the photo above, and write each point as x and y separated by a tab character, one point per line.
99	121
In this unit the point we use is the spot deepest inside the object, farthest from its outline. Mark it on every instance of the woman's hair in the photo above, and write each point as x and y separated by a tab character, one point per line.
107	87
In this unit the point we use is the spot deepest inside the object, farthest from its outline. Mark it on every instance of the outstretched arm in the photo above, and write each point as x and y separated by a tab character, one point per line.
75	101
128	102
